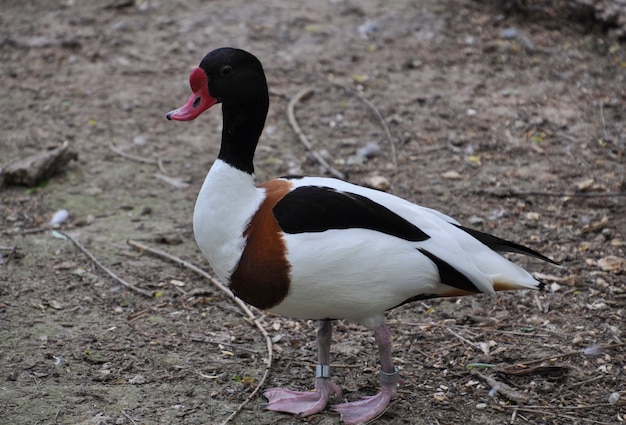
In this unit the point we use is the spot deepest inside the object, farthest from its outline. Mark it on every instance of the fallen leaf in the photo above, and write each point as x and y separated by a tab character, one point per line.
452	175
55	304
596	225
377	182
533	216
585	184
612	264
474	159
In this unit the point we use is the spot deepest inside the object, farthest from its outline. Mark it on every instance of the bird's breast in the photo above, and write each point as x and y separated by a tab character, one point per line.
262	276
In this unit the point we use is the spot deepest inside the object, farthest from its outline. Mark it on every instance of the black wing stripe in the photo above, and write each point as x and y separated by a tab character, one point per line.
449	275
317	209
502	245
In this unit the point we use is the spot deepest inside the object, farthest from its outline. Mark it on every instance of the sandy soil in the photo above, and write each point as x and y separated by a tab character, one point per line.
511	124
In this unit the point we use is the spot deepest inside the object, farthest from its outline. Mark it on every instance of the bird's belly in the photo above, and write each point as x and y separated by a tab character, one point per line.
352	274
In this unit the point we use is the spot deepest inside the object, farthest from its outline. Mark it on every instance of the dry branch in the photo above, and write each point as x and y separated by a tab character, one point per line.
34	169
376	113
135	158
104	268
502	388
291	116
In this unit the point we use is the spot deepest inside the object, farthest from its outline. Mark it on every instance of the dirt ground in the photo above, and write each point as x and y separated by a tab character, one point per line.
510	123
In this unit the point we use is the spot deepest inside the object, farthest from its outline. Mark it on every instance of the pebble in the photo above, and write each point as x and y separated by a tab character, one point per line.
452	175
368	28
140	139
613	264
137	380
476	220
370	150
377	182
509	33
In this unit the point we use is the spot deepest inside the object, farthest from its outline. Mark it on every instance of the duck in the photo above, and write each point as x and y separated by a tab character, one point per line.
324	249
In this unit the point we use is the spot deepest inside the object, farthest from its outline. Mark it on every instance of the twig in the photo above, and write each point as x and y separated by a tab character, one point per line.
514	193
464	340
136	316
593	350
502	388
305	141
240	303
360	97
225	344
376	113
606	133
56	416
128	417
132	157
586	381
11	253
105	269
161	166
556	356
589	406
540	410
373	420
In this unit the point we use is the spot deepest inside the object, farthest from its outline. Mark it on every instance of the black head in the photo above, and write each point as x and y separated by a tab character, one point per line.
229	76
234	75
234	78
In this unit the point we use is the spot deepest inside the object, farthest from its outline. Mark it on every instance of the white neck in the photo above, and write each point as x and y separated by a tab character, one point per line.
226	203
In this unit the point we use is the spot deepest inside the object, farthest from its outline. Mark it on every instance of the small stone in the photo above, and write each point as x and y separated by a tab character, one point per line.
533	216
554	287
509	33
481	406
370	150
585	184
439	396
368	29
55	304
137	380
612	264
140	139
452	175
377	182
475	220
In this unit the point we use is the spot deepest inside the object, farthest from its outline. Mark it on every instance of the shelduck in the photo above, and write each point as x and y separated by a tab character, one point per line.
321	248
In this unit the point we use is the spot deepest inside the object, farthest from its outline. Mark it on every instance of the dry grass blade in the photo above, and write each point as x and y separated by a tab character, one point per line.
241	304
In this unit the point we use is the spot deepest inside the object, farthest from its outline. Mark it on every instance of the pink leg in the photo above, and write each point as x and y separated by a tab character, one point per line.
308	403
368	408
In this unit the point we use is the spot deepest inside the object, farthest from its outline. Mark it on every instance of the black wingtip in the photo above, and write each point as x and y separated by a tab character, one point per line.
502	245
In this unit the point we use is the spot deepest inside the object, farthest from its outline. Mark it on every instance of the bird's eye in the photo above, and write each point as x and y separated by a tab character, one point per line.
226	69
